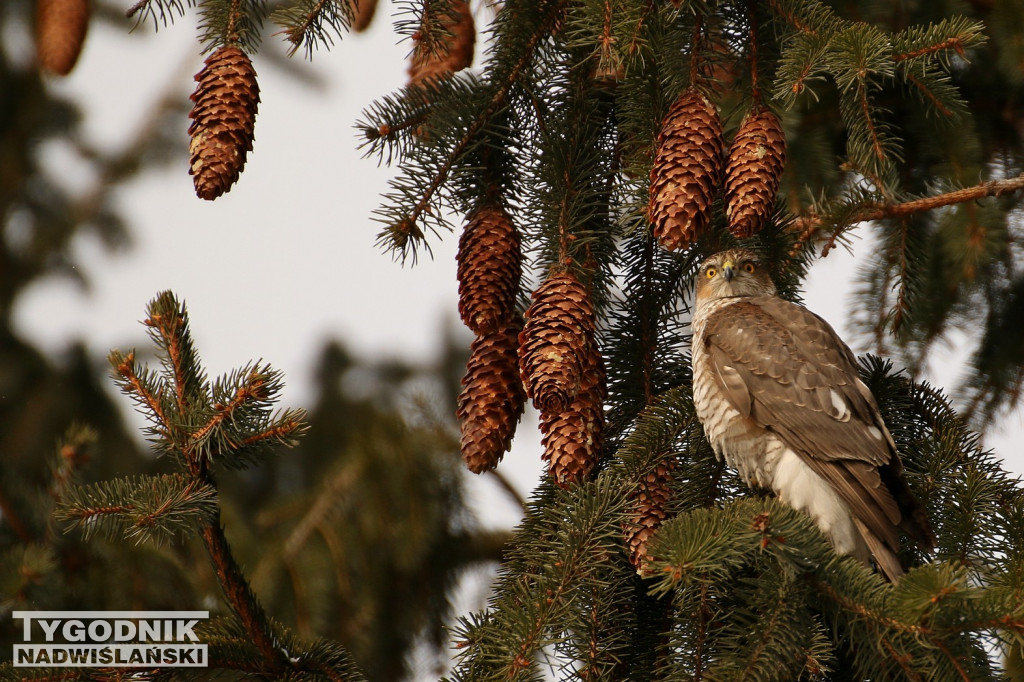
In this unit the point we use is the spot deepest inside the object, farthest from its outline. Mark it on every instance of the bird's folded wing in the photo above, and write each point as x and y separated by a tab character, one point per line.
785	368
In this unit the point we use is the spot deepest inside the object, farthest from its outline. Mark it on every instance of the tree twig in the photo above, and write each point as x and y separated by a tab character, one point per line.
239	595
408	224
809	225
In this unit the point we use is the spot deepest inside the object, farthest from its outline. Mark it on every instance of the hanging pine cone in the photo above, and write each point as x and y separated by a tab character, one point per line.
648	509
61	26
553	345
753	172
572	437
687	170
489	268
362	14
429	63
223	119
492	398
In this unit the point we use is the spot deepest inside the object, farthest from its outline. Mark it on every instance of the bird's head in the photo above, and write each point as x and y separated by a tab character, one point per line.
731	274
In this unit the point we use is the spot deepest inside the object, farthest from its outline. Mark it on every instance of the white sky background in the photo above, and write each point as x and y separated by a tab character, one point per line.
287	258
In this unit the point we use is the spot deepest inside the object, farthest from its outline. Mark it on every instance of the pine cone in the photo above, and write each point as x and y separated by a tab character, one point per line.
647	511
687	170
428	64
492	398
572	437
61	26
554	344
489	268
223	118
753	172
362	14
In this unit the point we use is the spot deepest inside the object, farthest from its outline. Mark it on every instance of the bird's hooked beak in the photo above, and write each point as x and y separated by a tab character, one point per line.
728	270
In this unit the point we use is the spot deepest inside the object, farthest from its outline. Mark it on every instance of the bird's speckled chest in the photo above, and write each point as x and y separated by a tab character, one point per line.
745	446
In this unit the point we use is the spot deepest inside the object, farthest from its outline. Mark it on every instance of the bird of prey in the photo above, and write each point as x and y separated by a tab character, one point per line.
779	397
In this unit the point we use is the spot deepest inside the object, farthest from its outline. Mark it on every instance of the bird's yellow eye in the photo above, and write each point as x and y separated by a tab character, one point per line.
748	266
710	273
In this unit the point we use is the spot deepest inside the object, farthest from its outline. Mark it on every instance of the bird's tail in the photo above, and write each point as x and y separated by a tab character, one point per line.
886	560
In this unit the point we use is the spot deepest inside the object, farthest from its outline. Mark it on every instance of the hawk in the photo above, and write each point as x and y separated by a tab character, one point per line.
779	397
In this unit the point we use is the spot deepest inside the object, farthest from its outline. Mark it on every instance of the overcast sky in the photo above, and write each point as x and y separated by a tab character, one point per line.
287	259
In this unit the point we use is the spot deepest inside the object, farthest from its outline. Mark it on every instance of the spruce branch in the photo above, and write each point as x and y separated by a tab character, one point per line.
73	452
929	95
145	390
311	24
327	500
240	426
954	35
752	40
283	430
239	595
704	627
228	421
534	600
161	11
877	145
809	226
152	508
168	328
405	233
430	25
791	17
636	42
954	43
237	23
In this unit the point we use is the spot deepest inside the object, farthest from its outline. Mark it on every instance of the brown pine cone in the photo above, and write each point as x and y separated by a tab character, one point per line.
554	344
572	437
429	63
223	118
492	398
61	26
648	509
362	14
489	268
687	170
753	171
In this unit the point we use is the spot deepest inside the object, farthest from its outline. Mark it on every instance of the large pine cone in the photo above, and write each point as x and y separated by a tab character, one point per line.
429	63
223	118
648	509
572	437
555	343
61	26
492	398
489	268
687	170
756	160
